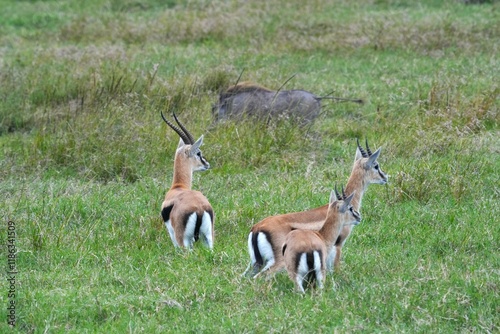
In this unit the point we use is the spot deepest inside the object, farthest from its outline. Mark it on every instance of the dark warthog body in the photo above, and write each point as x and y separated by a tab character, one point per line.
247	99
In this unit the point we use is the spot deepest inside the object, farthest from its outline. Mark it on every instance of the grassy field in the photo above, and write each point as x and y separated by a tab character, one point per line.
85	161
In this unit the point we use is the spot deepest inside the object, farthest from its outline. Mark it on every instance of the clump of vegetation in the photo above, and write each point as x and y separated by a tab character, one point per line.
85	162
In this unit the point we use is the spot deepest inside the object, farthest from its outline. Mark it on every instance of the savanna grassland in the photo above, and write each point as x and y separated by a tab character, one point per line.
85	161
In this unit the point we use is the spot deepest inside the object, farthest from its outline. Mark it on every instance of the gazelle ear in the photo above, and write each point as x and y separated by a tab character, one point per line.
195	148
347	203
372	159
333	197
358	155
197	144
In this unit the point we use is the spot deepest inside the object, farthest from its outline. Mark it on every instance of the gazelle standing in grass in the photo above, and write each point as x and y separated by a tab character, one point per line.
267	236
366	171
187	213
304	251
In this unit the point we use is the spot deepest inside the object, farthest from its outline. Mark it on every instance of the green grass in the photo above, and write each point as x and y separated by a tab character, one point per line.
85	161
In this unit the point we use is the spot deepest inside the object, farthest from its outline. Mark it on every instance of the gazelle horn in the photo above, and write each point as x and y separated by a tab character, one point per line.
189	136
363	152
368	147
181	134
337	193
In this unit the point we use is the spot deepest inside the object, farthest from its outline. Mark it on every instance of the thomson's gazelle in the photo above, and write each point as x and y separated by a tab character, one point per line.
366	170
305	251
187	213
267	236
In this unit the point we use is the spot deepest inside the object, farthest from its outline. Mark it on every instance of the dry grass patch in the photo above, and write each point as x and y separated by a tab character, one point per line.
434	35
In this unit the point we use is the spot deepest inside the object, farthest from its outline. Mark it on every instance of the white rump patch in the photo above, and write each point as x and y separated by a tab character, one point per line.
302	270
170	229
317	269
206	230
250	249
189	231
252	255
266	251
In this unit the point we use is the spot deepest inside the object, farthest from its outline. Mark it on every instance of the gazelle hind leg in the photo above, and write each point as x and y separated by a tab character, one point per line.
266	252
338	253
188	238
302	272
299	281
331	258
170	229
247	269
253	267
268	265
319	281
253	262
318	270
206	230
338	249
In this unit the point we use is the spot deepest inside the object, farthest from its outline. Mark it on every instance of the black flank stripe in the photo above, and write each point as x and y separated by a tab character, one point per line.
339	241
283	250
165	212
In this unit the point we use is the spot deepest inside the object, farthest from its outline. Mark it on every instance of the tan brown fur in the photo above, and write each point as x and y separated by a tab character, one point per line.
299	242
183	201
277	227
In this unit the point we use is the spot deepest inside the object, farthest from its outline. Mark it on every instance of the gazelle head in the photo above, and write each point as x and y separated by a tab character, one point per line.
341	204
368	162
188	148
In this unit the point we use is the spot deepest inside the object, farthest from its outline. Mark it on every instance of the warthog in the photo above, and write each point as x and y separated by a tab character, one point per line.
249	99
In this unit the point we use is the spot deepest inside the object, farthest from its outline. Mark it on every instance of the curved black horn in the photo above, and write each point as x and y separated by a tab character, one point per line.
363	153
181	134
188	135
337	193
368	147
343	193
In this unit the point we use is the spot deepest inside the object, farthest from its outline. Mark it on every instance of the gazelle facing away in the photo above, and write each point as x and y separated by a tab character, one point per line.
267	236
304	251
187	213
